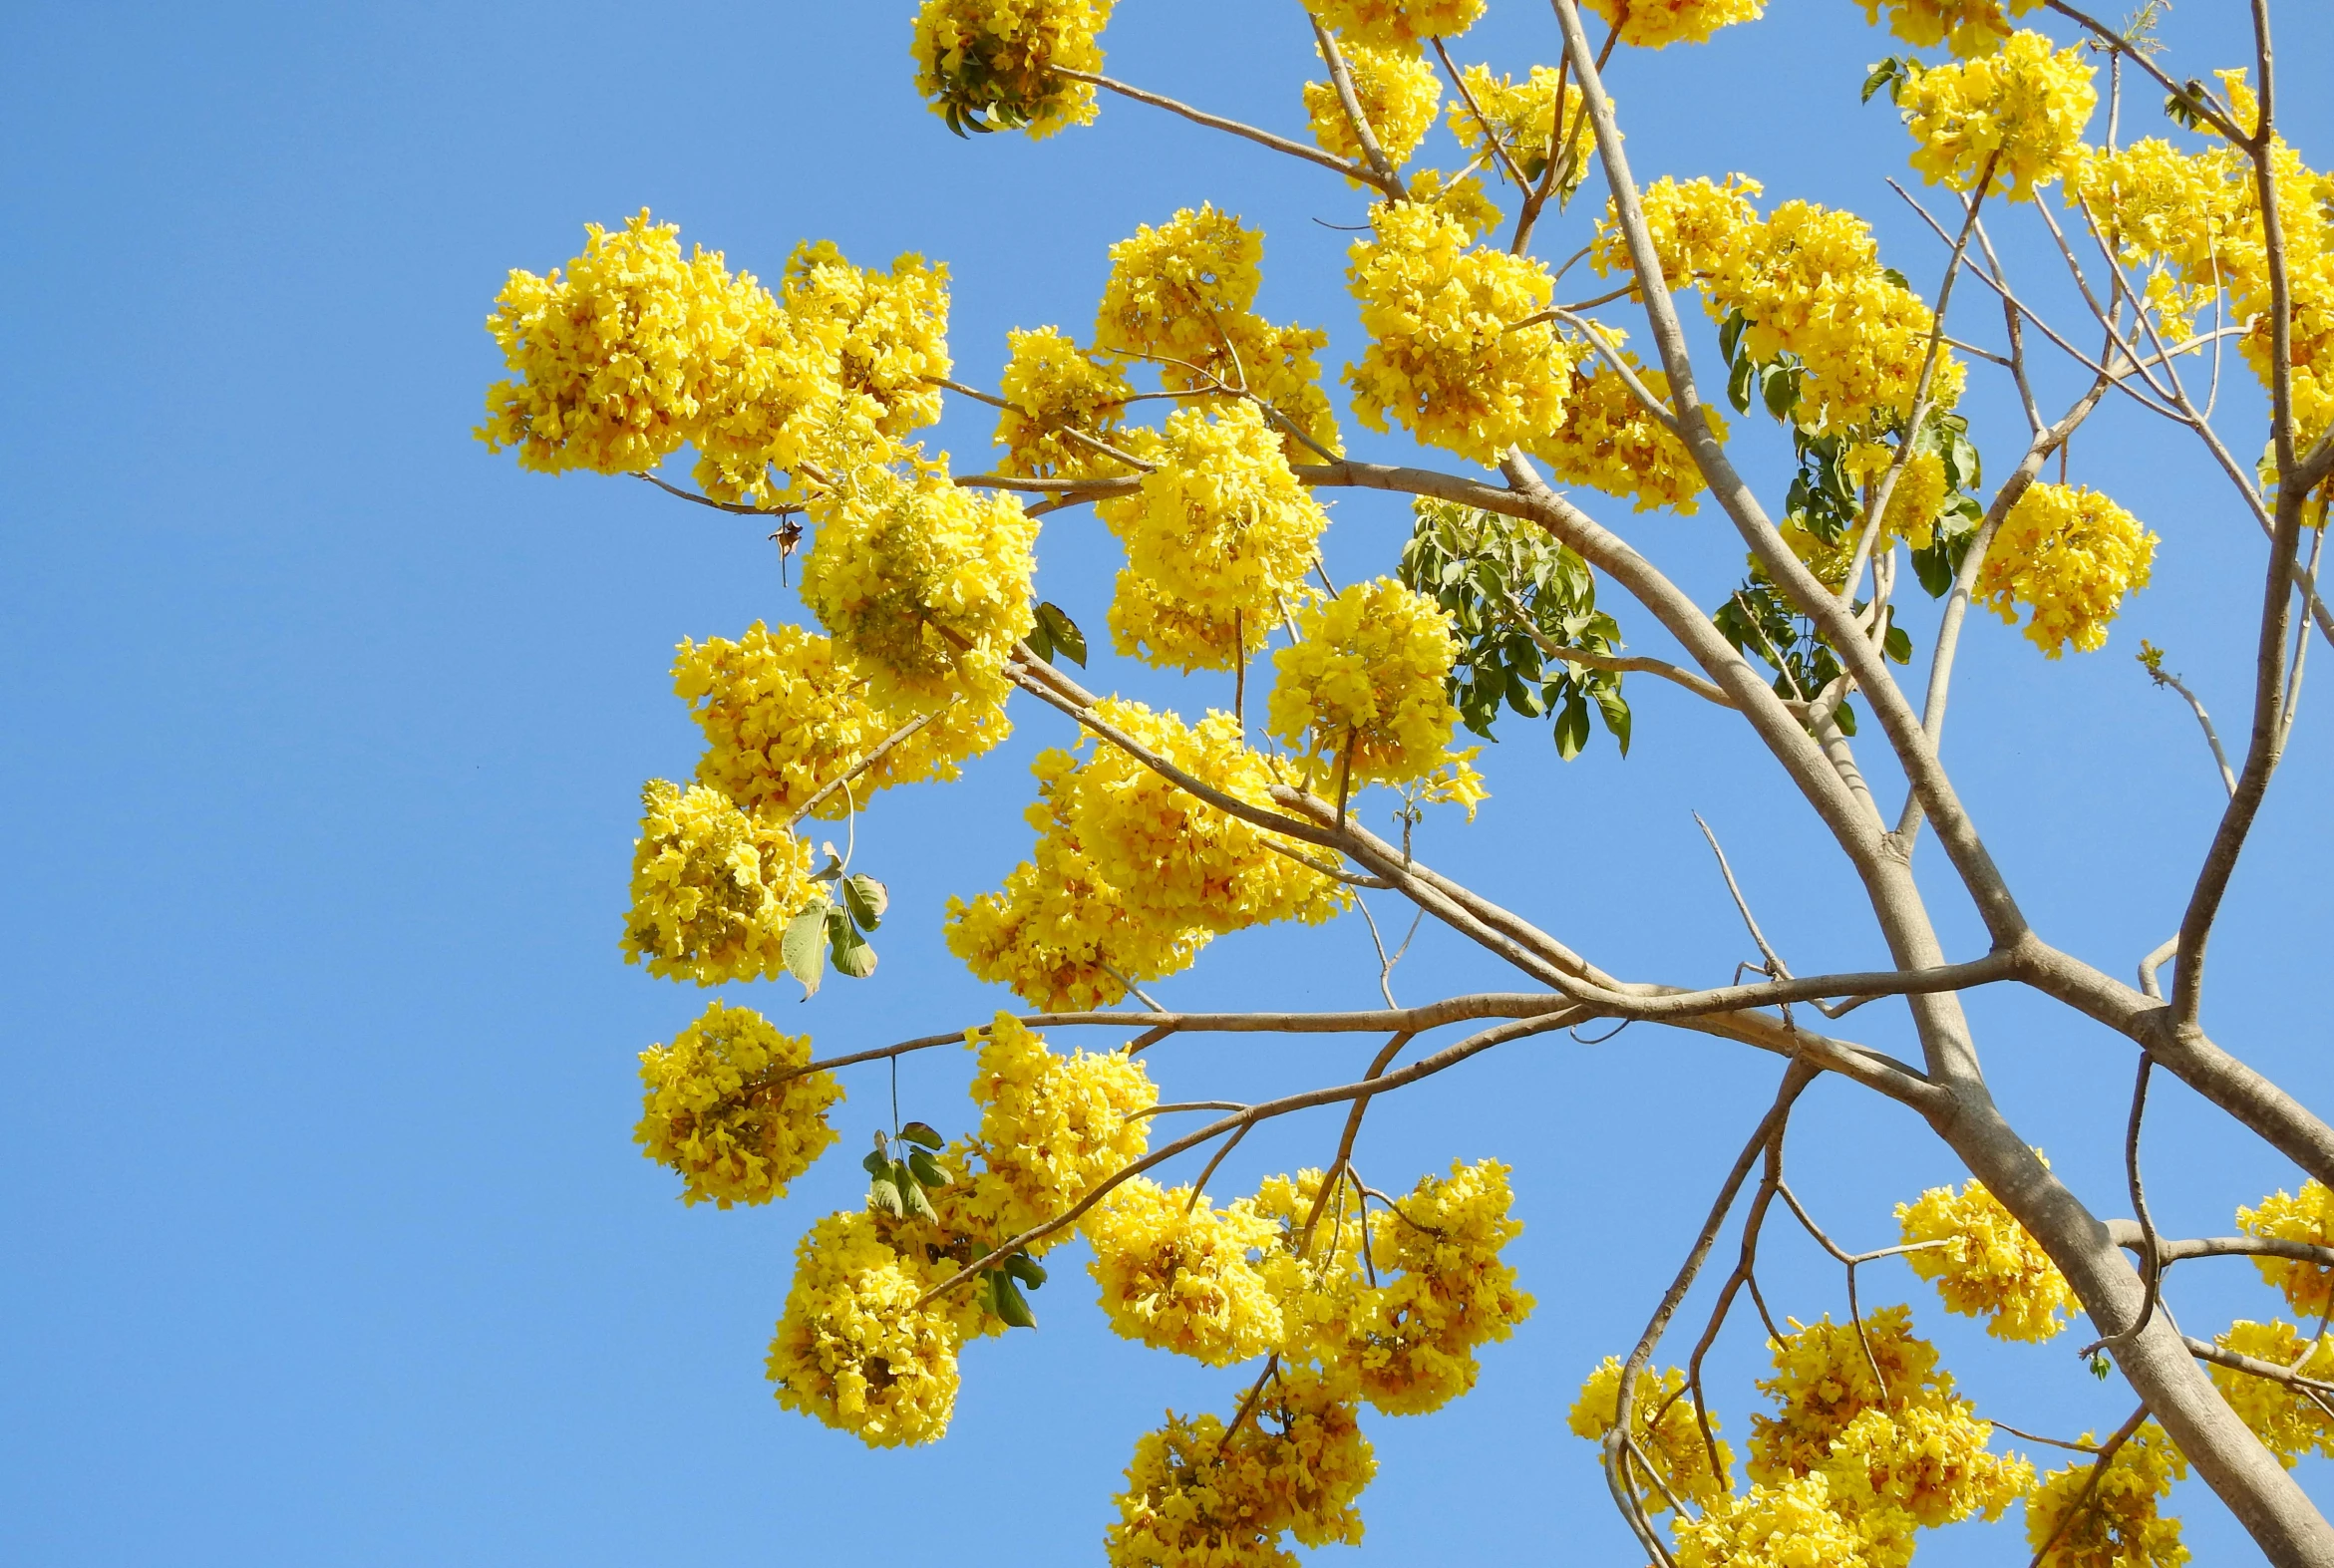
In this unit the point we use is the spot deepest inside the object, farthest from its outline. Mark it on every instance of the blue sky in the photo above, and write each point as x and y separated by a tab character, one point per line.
327	1241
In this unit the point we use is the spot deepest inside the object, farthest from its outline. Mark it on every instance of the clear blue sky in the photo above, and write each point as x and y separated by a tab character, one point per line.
324	1238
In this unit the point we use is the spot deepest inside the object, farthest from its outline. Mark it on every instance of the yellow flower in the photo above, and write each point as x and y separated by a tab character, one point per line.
1150	624
2070	555
2121	1526
1000	58
1450	357
620	361
1970	27
712	888
1988	1267
1177	1276
1700	230
1397	93
1396	24
2306	1216
1785	1524
2023	109
1058	934
1054	388
1524	117
783	717
925	585
1199	1497
723	1110
1370	677
1449	1293
2288	1422
1662	1421
1220	525
1649	24
1051	1126
1609	443
1913	1447
853	1350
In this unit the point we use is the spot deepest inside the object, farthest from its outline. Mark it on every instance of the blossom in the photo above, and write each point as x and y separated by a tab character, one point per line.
1970	27
1397	93
1663	1424
1610	443
785	718
1788	1523
1649	24
1054	392
854	1350
1200	1496
1176	1272
1220	525
1449	1293
2121	1525
1051	1126
1523	115
1149	623
1396	24
2288	1422
1988	1267
1370	678
2305	1216
1700	229
712	888
619	360
728	1107
2015	117
1058	936
925	585
1001	58
2068	555
1455	356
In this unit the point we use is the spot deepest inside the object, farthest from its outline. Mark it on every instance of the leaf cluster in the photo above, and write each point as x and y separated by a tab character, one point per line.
1517	600
831	926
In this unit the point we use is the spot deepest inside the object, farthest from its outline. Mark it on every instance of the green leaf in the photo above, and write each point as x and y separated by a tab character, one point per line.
867	899
1730	335
926	1170
875	1164
923	1133
800	949
1524	697
858	960
1572	728
883	1195
1890	74
1011	1304
1614	709
1039	643
1897	644
911	1192
1026	1269
1062	634
1781	389
1738	385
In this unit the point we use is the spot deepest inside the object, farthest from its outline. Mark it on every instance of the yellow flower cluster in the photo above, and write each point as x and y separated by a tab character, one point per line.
853	1350
1052	1129
1809	282
1609	443
2288	1422
1649	24
635	352
1179	296
2070	555
1988	1267
1970	27
1448	359
722	1109
923	584
1369	678
1397	93
1910	1453
1199	1497
1919	496
1220	525
1052	388
1662	1421
1149	623
1396	24
783	717
2021	111
1157	871
2309	1217
1789	1525
1523	115
2121	1526
1002	57
1462	200
712	888
2196	221
1179	1275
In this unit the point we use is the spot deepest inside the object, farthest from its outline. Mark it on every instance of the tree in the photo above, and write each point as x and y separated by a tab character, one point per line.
1201	433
